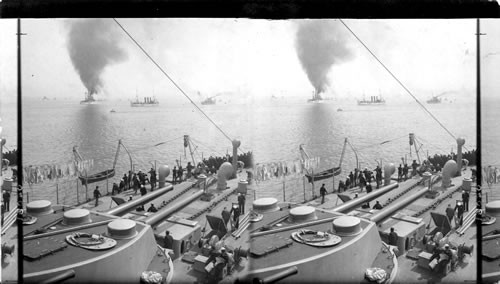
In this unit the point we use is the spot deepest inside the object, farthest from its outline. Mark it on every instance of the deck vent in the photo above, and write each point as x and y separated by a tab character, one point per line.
493	208
122	229
39	208
76	217
303	213
347	226
265	205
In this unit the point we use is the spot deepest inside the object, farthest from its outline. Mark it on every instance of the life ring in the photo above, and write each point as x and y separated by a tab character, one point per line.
29	220
255	217
316	238
90	241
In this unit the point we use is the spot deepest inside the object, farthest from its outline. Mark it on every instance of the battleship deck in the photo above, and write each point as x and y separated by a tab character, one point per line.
290	254
70	254
490	268
314	263
183	271
122	261
119	263
421	208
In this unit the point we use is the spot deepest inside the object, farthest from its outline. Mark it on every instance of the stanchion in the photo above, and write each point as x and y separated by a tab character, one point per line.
284	191
77	194
304	184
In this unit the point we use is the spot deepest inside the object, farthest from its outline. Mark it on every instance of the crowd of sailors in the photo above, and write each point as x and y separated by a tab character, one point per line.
138	180
364	178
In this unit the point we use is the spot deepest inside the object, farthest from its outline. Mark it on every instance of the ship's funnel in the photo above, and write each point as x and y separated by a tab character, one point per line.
460	143
389	170
225	171
163	172
449	170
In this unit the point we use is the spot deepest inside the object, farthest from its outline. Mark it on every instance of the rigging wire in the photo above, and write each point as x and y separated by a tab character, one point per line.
426	142
397	80
171	80
209	148
157	144
381	143
134	151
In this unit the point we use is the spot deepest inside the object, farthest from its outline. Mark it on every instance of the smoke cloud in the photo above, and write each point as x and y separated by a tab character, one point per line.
320	44
93	45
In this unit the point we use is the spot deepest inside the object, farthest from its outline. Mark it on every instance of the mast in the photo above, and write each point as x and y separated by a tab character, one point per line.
478	151
20	271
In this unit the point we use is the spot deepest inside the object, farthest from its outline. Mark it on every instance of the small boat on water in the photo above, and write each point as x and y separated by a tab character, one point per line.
112	110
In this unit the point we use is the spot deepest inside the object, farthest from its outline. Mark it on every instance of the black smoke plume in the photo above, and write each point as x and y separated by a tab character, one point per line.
93	44
320	44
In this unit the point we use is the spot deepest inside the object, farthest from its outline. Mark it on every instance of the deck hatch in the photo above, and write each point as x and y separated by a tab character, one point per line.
38	248
441	222
267	244
217	224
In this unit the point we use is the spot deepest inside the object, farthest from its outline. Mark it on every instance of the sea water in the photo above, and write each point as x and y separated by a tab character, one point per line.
272	130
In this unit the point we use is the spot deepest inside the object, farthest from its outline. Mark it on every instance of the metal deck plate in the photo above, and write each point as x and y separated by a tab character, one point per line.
263	245
38	248
491	249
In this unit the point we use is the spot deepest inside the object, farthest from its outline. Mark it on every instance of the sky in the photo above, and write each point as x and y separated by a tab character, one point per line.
251	59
